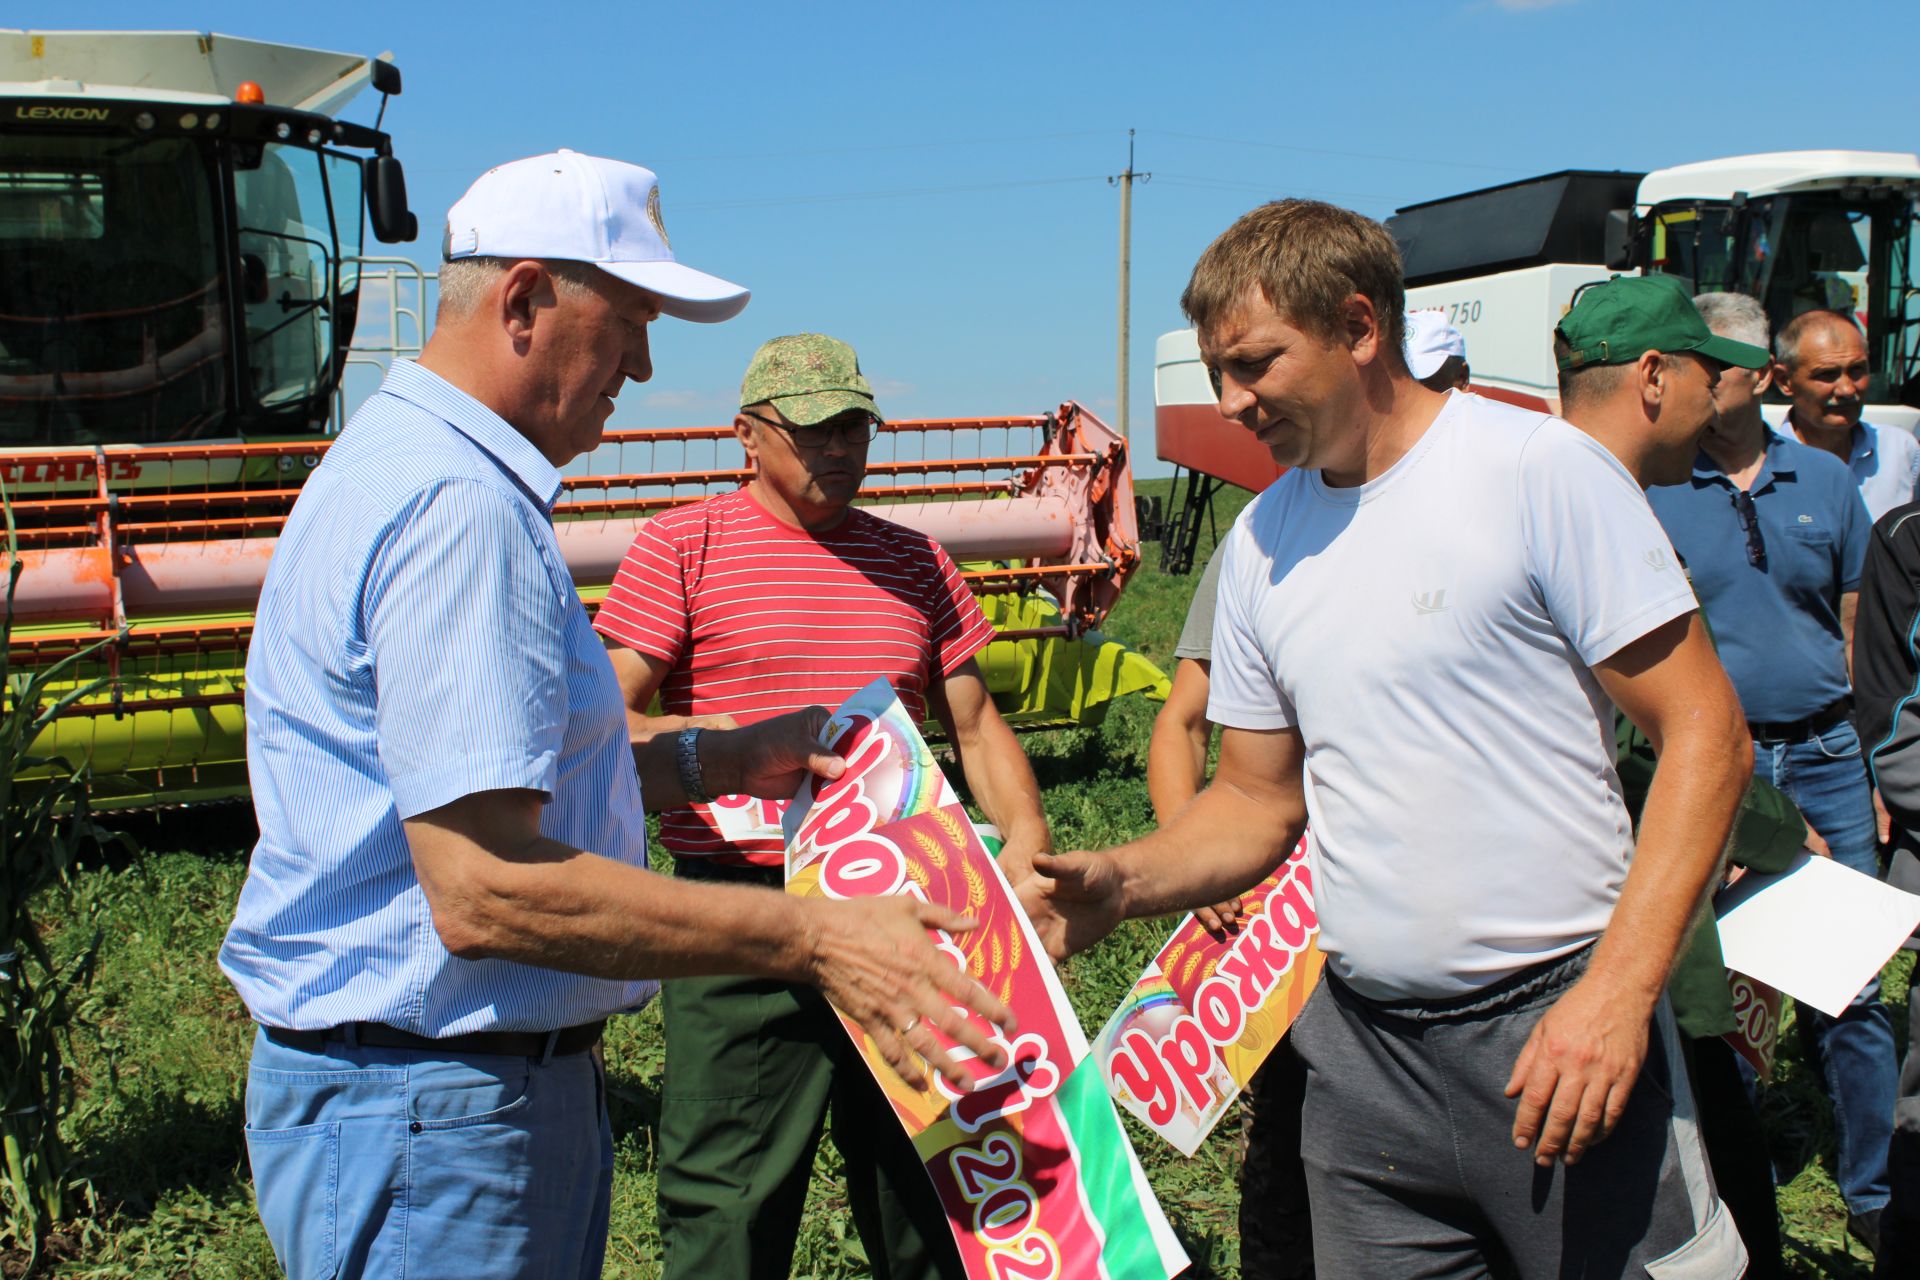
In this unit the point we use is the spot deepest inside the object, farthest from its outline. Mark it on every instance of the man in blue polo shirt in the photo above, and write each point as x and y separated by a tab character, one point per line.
1820	362
1774	533
450	894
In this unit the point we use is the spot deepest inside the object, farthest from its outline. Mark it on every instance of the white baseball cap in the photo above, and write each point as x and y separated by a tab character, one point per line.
585	209
1430	340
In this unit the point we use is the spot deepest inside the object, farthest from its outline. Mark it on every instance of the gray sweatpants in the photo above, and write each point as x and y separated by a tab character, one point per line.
1411	1165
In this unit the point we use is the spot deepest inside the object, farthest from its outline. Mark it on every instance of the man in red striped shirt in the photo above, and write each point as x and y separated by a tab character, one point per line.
783	595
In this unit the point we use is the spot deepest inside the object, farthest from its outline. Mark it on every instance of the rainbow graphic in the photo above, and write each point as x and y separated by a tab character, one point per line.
888	761
1032	1164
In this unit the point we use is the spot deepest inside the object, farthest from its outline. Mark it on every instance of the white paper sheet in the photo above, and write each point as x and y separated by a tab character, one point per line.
1817	930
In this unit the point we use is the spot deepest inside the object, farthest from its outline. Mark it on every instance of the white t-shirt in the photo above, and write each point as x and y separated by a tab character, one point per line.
1431	633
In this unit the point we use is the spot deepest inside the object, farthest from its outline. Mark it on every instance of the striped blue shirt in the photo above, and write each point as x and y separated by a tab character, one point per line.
418	640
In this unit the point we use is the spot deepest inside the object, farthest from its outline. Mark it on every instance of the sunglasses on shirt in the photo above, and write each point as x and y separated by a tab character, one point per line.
1750	525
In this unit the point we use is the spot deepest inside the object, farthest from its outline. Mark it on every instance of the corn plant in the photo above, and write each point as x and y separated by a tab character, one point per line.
44	826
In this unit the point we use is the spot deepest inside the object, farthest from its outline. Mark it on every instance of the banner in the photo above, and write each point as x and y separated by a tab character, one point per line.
1032	1164
1205	1013
1756	1008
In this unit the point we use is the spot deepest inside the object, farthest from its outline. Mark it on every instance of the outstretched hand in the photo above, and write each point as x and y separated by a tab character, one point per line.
873	960
1073	900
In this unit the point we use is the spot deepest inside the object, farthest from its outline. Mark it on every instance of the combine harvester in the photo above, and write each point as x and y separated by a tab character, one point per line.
1798	230
182	271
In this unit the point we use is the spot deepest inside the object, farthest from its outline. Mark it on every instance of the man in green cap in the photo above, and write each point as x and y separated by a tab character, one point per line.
1638	371
782	594
1646	408
1775	534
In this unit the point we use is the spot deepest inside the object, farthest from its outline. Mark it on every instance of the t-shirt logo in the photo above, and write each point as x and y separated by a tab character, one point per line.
1430	602
1657	560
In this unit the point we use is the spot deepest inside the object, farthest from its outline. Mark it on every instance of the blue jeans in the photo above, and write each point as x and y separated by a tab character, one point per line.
409	1163
1826	779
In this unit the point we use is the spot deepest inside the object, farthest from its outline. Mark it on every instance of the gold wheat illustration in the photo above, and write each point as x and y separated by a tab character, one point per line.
976	885
951	825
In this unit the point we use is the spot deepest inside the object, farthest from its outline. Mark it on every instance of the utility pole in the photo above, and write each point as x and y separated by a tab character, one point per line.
1125	181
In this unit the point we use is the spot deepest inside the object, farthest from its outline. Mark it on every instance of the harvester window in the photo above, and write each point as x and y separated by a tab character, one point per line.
112	322
287	246
52	205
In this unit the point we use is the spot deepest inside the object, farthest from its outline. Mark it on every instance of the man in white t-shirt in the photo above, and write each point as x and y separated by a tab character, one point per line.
1421	631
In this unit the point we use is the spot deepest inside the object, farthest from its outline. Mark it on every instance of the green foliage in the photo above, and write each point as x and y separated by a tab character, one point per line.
43	829
161	1134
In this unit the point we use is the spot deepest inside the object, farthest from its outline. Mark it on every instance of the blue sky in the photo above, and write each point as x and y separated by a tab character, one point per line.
929	182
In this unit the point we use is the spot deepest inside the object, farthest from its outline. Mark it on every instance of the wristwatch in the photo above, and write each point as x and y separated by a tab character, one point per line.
687	752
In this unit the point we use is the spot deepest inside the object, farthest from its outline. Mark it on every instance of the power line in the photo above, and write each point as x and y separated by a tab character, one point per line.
1271	189
936	144
899	193
1327	151
932	145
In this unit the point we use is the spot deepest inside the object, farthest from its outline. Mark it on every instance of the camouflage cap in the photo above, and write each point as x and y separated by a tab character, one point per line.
808	377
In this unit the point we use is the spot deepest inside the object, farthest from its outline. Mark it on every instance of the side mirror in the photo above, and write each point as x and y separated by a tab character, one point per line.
1616	245
253	278
386	78
387	201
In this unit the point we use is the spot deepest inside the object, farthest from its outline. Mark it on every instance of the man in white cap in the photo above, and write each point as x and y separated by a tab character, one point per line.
1436	352
450	896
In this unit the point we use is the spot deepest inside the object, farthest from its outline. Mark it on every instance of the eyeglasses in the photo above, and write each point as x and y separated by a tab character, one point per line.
1750	525
852	429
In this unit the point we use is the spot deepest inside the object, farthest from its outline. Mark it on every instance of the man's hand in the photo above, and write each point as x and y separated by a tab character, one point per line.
1577	1070
1882	820
1016	856
1073	900
1817	845
872	959
769	759
1221	920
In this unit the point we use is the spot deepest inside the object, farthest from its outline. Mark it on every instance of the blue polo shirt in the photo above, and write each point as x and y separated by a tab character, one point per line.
419	639
1777	624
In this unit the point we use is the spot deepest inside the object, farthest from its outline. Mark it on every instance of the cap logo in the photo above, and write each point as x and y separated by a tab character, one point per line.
653	215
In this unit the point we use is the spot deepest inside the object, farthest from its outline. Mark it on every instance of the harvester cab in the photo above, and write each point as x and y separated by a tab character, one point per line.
180	218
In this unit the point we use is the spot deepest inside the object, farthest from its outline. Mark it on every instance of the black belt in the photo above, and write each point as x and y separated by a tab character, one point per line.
378	1035
1792	731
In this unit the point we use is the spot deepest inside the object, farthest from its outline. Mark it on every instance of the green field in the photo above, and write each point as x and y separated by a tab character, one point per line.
162	1066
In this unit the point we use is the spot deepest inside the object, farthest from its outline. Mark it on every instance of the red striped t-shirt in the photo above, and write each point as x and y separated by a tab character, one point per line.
758	618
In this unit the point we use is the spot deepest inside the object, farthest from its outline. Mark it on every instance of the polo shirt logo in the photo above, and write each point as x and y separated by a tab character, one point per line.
1806	519
1656	559
1430	602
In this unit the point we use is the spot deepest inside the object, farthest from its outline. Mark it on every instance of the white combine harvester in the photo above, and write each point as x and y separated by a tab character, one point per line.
1798	230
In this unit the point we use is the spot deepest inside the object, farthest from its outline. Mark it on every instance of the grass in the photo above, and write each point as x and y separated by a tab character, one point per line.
163	1072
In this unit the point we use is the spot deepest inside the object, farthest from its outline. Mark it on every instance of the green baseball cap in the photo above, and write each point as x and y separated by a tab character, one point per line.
1623	318
809	378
